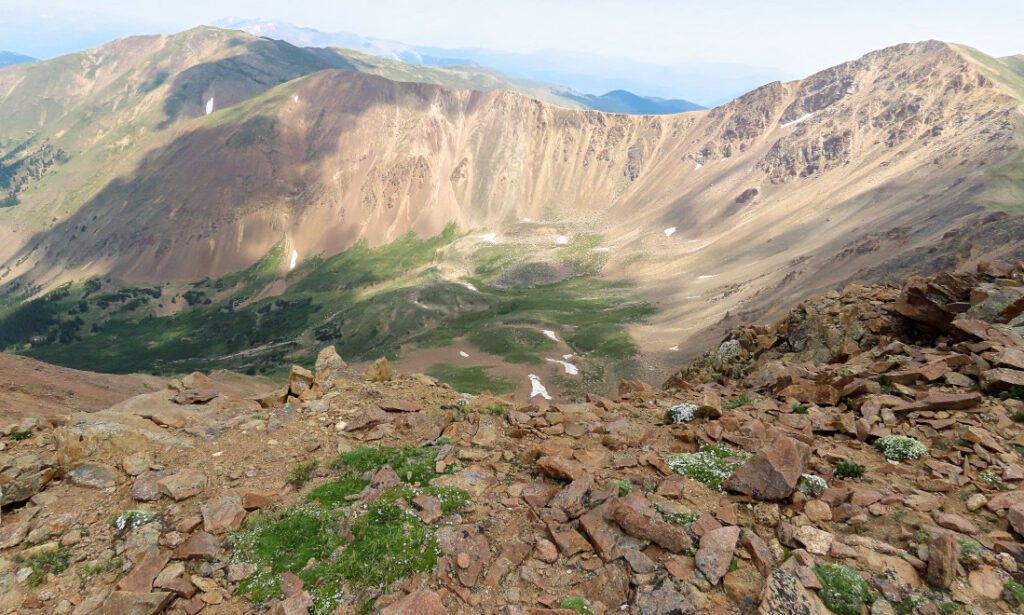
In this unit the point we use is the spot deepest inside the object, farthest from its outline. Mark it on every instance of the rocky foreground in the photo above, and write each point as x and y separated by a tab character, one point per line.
863	455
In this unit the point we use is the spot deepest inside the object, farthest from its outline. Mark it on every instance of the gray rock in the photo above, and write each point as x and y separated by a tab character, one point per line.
664	599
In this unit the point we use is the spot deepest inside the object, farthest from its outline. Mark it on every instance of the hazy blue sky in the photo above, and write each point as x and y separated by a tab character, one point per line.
795	35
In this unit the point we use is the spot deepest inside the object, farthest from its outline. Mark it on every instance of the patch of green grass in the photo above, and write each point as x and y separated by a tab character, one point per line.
514	344
335	492
472	380
494	410
413	465
576	604
53	561
21	435
908	604
711	465
1016	590
102	567
969	547
843	590
389	543
285	542
1017	417
742	400
849	469
1013	393
622	486
799	408
300	474
921	536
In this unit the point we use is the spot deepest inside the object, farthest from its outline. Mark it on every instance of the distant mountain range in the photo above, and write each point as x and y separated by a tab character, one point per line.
708	84
9	58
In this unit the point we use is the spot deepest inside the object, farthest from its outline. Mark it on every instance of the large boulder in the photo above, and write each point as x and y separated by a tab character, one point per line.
773	472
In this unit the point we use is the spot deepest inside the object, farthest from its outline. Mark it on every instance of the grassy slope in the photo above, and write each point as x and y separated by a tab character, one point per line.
368	303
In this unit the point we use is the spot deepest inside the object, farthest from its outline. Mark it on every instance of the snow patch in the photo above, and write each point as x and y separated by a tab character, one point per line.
209	106
537	387
470	287
570	369
707	276
527	220
562	240
295	98
674	348
797	120
602	249
463	354
295	259
489	237
668	232
697	166
550	334
567	356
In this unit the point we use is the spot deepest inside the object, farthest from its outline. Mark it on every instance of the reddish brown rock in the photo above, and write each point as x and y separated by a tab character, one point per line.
572	499
943	555
125	603
560	468
1001	379
183	485
772	473
222	513
417	603
140	579
715	552
198	546
635	515
12	534
954	522
760	554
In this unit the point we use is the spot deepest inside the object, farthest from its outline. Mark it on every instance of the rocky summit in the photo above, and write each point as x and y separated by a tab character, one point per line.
865	454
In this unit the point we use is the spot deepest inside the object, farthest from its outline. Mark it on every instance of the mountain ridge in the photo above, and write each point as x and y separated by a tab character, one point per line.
792	188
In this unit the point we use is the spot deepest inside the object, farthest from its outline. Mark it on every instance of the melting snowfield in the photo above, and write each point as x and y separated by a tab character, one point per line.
550	334
669	231
209	106
797	120
570	369
295	259
537	387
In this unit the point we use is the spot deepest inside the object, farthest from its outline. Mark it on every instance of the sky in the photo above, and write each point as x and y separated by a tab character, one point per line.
796	36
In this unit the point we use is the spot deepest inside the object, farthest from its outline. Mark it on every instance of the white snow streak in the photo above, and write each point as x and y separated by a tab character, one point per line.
562	240
797	120
209	106
295	259
707	276
567	356
668	232
463	354
674	348
603	249
570	369
550	334
295	98
489	237
526	220
537	387
470	287
697	166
